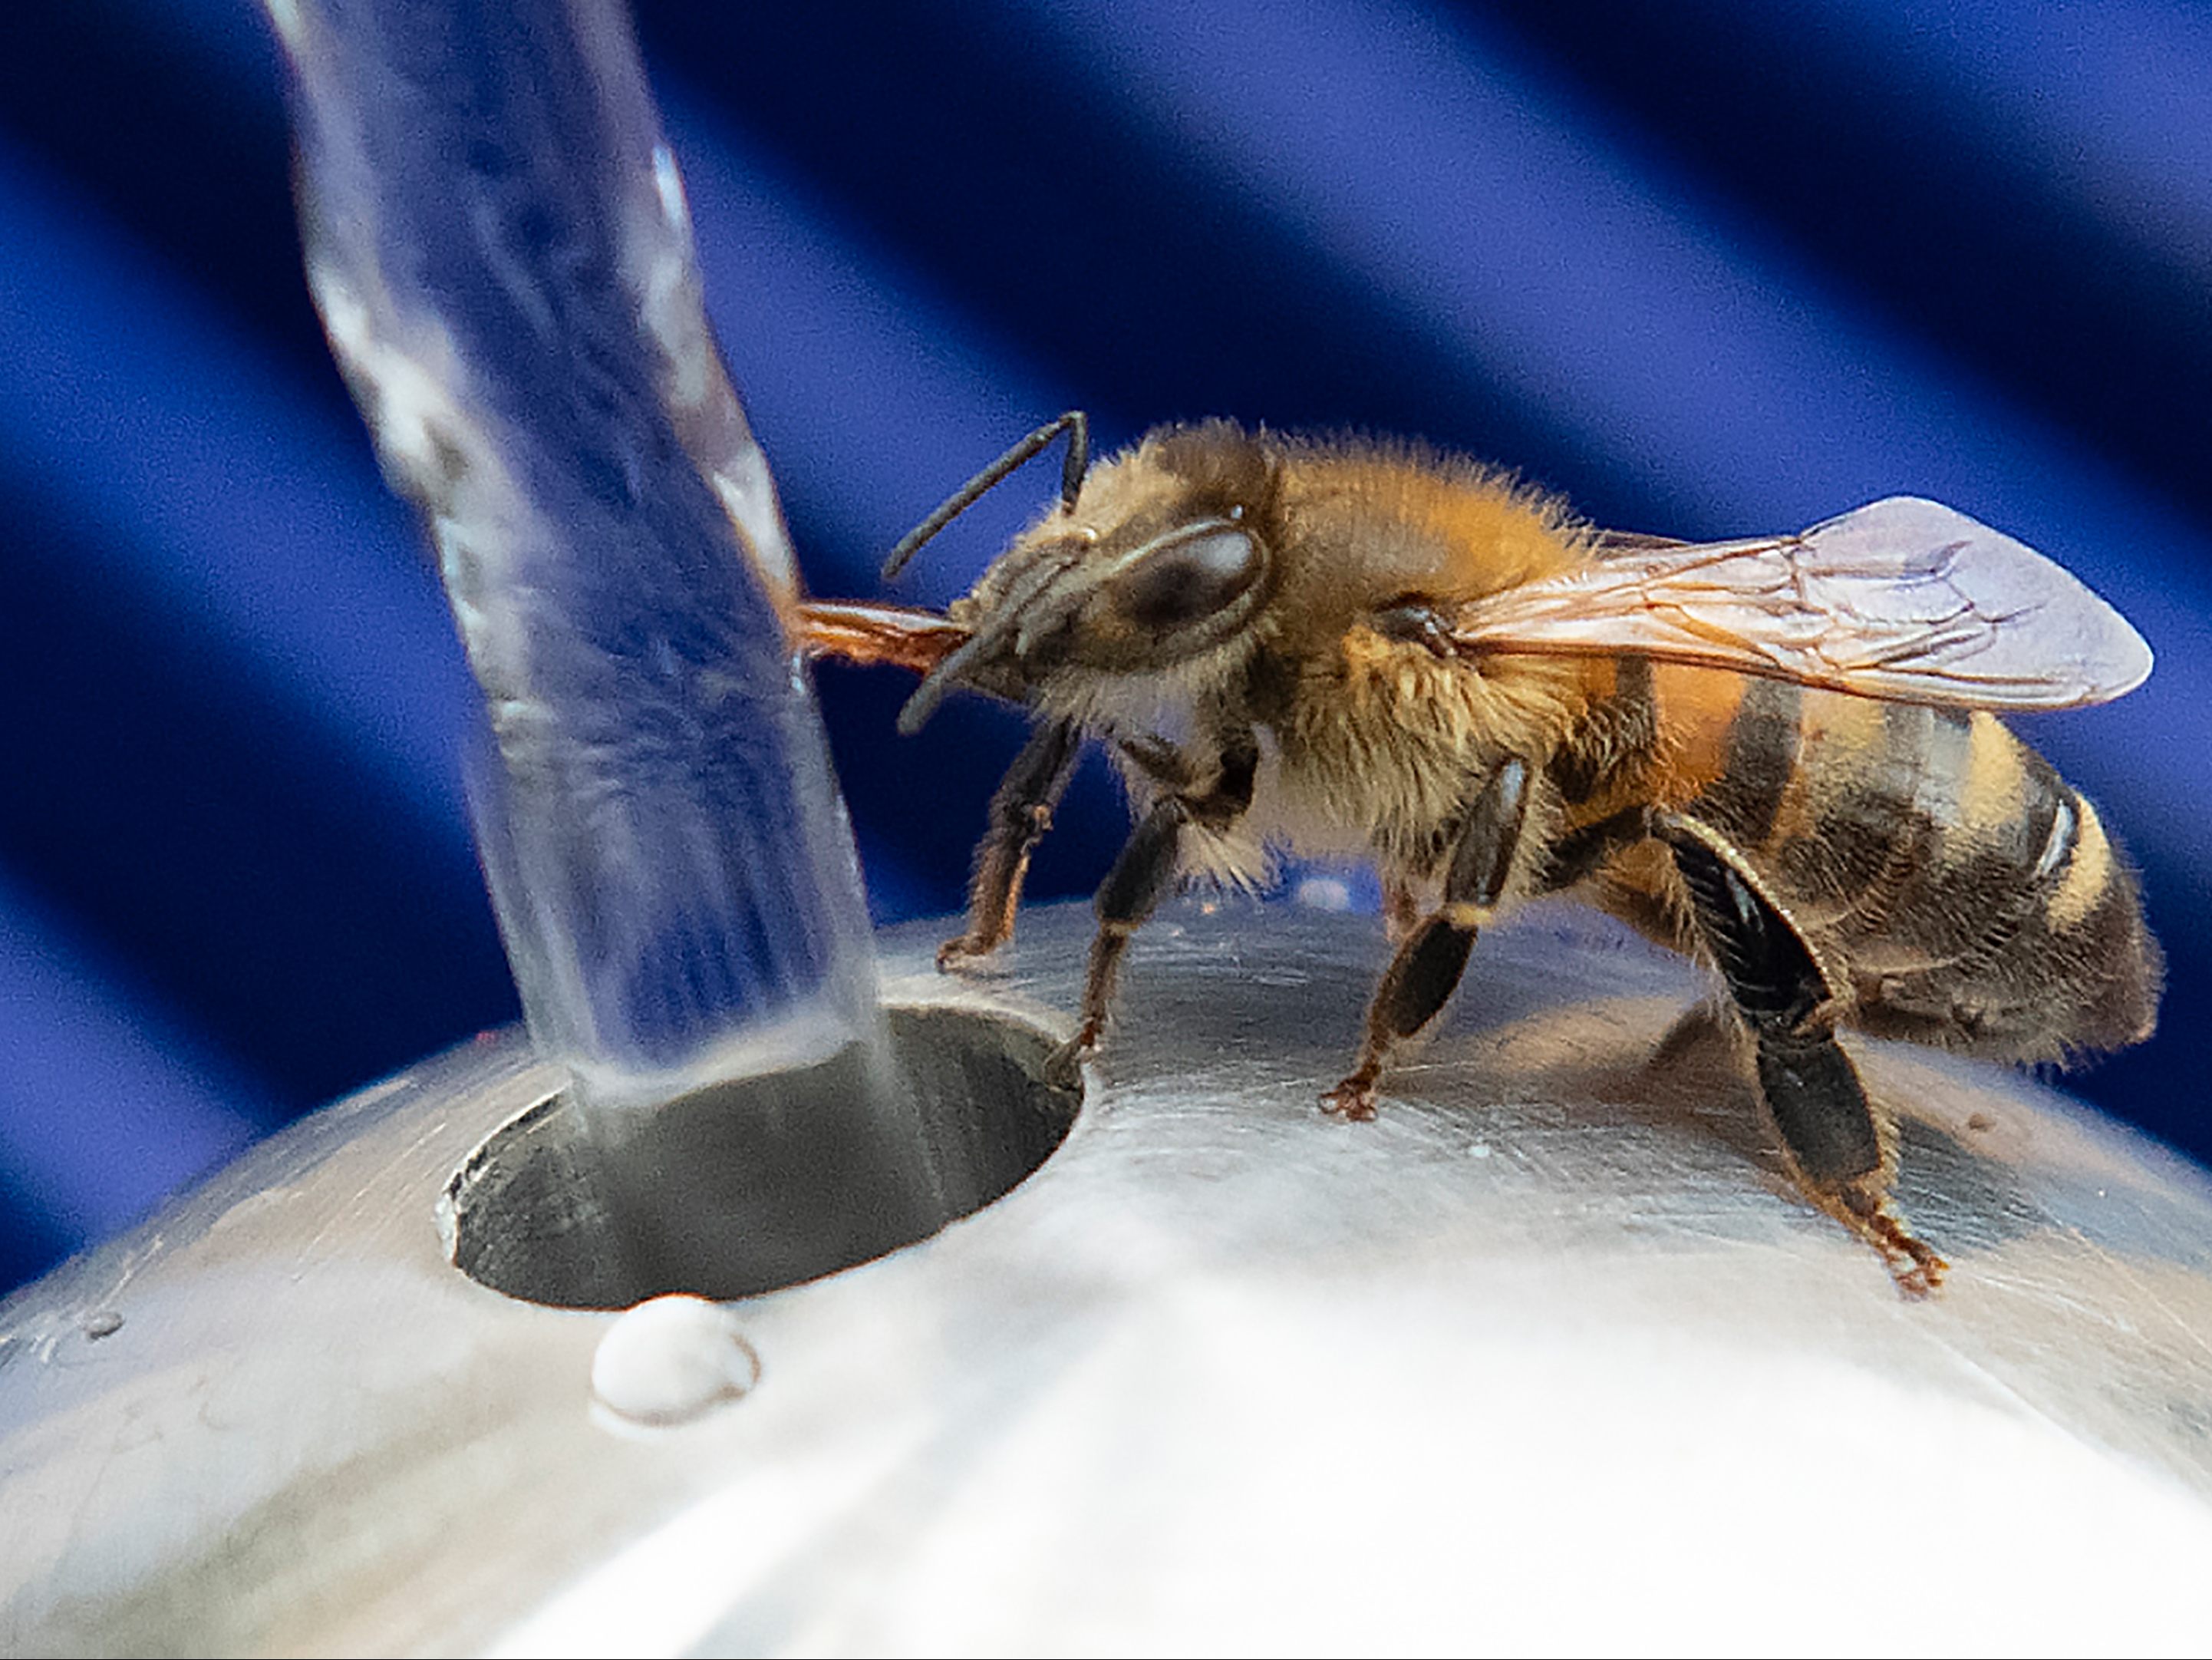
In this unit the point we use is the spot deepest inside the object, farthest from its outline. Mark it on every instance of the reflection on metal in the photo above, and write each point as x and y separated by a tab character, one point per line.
1549	1357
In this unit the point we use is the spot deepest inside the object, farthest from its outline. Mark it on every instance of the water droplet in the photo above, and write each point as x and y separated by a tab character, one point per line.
670	1358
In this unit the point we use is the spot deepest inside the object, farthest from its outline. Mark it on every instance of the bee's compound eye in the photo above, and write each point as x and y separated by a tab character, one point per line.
1187	576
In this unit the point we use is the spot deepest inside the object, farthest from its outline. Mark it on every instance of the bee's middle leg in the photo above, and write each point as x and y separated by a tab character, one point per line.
1431	959
1021	812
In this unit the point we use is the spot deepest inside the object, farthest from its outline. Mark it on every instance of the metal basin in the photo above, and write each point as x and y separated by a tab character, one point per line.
1549	1357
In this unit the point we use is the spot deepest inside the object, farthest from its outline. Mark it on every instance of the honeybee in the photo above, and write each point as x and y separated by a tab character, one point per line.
1778	756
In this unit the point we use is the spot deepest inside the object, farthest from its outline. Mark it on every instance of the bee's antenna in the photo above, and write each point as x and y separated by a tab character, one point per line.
1074	424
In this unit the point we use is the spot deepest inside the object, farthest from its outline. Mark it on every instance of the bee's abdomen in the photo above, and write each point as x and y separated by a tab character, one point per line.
1958	892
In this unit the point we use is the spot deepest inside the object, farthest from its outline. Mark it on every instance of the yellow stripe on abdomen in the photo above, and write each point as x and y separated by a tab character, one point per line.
2088	873
1994	792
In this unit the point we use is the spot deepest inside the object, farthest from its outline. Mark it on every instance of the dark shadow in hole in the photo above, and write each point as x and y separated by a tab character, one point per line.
758	1183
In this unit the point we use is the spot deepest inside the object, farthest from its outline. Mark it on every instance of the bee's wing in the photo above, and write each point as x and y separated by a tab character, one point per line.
902	636
1904	599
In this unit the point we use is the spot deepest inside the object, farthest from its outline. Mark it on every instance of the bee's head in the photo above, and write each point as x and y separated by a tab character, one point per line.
1154	569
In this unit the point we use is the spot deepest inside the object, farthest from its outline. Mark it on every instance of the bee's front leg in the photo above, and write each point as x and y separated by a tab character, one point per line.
1430	960
1837	1147
1143	875
1021	812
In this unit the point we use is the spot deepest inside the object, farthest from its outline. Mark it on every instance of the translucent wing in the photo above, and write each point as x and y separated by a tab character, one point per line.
1906	599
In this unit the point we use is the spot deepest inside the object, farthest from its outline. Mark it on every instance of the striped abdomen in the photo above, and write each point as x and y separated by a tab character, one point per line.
1955	889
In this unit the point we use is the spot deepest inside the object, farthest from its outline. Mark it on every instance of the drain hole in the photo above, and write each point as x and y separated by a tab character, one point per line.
758	1183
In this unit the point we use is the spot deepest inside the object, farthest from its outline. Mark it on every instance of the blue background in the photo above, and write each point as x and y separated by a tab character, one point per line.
1712	267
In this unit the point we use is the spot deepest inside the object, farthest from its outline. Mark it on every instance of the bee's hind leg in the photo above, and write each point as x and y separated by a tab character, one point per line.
1431	959
1021	812
1837	1147
1698	1027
